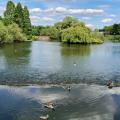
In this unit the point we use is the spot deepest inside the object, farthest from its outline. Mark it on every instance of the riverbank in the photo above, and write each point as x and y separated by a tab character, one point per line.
43	38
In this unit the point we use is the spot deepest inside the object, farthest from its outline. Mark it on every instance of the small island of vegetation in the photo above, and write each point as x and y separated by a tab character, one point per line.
71	30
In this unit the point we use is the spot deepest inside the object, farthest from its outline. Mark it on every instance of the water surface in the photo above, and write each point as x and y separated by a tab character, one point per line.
84	102
53	62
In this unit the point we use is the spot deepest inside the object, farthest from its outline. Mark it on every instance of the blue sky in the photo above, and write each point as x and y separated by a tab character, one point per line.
95	13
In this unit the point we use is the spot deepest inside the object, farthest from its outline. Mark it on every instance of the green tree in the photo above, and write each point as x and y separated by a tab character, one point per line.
9	13
16	33
116	29
3	32
68	21
108	28
11	33
18	16
52	32
59	25
27	22
36	30
79	33
1	18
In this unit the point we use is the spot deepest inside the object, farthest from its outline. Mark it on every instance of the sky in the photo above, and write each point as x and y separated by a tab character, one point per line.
95	13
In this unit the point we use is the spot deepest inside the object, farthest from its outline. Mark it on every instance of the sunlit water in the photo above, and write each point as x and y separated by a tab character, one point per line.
83	102
53	62
58	64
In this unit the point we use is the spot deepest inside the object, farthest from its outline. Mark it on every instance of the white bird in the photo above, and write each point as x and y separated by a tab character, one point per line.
44	117
75	64
50	106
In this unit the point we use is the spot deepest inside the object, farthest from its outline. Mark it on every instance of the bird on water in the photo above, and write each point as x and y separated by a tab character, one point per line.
44	117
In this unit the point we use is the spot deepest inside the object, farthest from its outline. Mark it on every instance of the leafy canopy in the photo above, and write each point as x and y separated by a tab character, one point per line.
11	33
71	30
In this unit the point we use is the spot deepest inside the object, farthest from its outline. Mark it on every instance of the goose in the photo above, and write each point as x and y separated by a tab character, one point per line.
44	117
50	106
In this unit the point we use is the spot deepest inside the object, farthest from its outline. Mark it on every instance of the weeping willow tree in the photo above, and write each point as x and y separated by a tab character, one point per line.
79	33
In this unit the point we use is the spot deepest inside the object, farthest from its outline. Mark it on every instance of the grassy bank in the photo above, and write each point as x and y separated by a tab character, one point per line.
113	38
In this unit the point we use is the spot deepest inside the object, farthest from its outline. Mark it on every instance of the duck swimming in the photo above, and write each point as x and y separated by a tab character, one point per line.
110	84
69	88
50	105
44	117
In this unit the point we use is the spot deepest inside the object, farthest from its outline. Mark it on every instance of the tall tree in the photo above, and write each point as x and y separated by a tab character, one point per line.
9	13
116	29
27	22
18	16
1	18
68	21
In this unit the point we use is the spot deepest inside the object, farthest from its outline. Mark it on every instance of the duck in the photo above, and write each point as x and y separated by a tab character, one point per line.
69	88
44	117
50	105
110	84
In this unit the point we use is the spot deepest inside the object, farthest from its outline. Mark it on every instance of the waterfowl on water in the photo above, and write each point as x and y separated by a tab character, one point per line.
50	105
69	88
110	84
44	117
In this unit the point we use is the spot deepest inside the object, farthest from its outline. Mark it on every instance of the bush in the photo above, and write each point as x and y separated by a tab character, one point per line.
11	33
80	34
52	32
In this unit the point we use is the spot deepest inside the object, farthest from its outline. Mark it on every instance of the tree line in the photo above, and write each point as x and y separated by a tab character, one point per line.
112	32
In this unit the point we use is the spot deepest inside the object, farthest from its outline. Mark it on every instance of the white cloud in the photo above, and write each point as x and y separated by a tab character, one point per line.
67	11
86	18
37	19
107	20
35	10
90	25
34	17
47	19
61	9
48	10
104	6
113	15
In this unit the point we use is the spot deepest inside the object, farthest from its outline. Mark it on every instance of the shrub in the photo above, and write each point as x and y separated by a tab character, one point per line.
11	33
